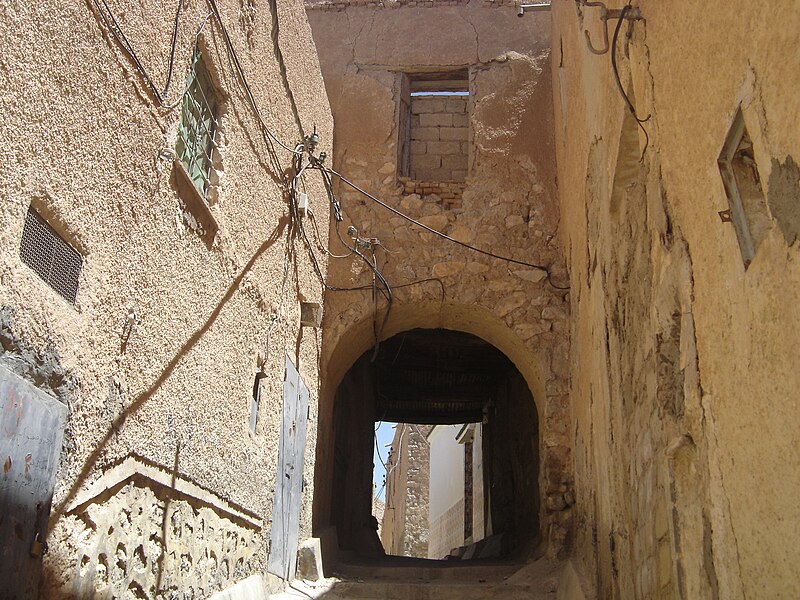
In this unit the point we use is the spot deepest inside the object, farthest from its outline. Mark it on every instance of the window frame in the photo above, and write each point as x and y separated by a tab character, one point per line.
445	83
747	209
198	126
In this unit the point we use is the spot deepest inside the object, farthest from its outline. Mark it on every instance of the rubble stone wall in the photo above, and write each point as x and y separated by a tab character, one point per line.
405	532
508	207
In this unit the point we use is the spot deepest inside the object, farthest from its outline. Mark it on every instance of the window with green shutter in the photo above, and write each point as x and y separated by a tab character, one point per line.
198	125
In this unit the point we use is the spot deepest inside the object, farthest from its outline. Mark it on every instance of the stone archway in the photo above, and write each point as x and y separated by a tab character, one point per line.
346	375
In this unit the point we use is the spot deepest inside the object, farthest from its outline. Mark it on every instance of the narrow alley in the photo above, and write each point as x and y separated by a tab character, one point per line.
391	299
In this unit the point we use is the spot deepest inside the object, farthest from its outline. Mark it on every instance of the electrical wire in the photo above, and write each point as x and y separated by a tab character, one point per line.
267	135
345	180
614	67
273	7
240	72
109	19
113	26
378	452
175	28
386	290
318	239
188	84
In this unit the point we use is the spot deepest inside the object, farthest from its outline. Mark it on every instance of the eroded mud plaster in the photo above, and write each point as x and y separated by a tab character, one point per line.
682	381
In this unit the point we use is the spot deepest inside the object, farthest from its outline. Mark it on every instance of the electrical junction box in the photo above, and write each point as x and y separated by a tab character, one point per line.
302	203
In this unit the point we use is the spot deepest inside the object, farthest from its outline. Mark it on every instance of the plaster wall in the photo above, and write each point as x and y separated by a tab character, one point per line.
447	491
683	383
508	205
447	469
88	146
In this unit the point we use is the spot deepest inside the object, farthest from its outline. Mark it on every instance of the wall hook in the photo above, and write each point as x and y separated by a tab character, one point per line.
632	14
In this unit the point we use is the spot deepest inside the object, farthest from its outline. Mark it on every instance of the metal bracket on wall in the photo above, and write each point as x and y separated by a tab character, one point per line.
630	13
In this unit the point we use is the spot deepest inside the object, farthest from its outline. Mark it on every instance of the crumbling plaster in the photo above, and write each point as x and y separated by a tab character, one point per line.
508	205
682	368
87	146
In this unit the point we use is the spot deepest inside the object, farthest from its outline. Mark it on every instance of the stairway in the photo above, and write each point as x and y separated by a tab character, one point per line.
431	580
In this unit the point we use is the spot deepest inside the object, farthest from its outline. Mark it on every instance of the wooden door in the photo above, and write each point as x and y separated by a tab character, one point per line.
284	535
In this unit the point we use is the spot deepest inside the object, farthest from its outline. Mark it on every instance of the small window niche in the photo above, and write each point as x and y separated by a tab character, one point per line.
742	180
198	162
196	146
434	126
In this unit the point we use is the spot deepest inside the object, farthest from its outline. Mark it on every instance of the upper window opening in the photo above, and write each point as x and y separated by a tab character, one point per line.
50	256
742	181
435	127
198	126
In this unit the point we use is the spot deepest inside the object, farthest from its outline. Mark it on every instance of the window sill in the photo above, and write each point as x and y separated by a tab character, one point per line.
197	213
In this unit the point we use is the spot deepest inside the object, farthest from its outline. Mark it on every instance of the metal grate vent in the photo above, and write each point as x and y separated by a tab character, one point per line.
50	256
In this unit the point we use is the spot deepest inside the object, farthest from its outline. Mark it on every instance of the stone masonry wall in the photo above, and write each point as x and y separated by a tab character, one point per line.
508	206
417	492
439	138
405	524
449	193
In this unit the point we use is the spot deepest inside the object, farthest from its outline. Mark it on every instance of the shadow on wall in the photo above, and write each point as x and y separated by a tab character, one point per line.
61	510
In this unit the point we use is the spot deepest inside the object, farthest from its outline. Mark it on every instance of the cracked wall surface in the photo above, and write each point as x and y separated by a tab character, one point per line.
90	149
682	369
508	206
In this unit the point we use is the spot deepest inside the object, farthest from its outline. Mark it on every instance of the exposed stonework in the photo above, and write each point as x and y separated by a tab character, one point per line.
663	415
448	193
405	525
148	540
507	206
378	511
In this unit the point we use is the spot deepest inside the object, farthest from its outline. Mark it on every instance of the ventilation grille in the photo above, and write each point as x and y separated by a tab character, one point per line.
50	256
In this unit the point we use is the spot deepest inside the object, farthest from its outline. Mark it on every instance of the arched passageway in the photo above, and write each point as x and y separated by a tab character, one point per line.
432	375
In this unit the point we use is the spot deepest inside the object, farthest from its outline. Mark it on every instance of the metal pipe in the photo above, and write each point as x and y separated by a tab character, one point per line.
523	8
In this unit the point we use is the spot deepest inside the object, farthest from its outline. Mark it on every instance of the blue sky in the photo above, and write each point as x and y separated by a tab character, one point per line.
384	433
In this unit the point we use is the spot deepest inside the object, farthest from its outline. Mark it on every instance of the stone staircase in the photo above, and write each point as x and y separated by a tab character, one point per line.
431	580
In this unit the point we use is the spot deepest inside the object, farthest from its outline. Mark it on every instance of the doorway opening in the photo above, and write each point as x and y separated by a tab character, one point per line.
464	426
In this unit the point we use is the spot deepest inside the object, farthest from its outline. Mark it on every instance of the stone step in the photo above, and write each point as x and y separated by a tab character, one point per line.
535	581
347	590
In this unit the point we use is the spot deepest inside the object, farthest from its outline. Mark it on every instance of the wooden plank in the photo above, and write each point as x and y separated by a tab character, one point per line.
284	536
278	562
296	486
